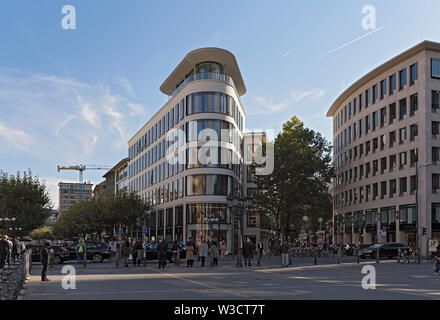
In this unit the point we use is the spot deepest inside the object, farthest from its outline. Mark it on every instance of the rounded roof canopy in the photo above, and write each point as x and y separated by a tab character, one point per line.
222	56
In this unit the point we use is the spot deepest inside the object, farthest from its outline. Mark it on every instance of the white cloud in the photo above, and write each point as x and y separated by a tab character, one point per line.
87	112
136	109
64	123
123	82
263	105
15	137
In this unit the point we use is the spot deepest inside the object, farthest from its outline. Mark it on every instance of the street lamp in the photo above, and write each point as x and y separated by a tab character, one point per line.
238	205
417	205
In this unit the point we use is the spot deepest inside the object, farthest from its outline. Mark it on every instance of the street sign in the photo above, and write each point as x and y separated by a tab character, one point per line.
433	245
145	230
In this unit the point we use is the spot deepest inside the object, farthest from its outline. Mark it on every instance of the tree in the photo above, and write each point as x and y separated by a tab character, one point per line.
298	186
42	234
100	216
26	199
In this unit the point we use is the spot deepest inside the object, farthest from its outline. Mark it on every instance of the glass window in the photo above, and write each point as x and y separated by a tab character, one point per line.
392	83
392	112
414	104
402	108
413	73
435	96
402	79
435	68
375	93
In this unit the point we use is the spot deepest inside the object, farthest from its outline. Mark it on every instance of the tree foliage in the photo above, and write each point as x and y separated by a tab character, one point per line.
44	233
298	186
25	198
100	216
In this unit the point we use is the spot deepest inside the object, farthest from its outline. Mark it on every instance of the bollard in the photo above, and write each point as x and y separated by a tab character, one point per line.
398	255
339	256
358	255
315	258
4	284
377	255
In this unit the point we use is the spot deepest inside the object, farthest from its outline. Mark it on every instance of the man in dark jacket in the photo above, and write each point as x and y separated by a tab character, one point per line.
137	252
44	258
4	251
162	253
247	252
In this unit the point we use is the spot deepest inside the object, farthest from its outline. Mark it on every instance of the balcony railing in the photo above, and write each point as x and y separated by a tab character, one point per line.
204	76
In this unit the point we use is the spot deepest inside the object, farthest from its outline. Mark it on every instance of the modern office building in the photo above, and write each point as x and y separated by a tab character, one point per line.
386	129
188	157
69	194
116	178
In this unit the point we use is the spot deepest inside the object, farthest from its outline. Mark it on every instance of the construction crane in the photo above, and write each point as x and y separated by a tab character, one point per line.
81	168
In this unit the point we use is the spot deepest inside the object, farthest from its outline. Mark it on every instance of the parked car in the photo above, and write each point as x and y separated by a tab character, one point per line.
388	249
96	251
151	250
60	254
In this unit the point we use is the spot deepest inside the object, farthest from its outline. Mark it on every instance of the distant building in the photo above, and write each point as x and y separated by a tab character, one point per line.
100	190
52	218
116	179
69	194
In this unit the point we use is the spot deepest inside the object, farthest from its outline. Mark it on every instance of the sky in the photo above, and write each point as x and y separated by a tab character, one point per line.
76	96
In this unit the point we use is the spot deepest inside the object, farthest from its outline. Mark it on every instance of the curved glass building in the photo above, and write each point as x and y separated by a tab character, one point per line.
188	157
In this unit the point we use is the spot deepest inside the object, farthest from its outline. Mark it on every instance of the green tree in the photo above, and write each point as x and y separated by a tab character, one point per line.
298	186
25	198
42	234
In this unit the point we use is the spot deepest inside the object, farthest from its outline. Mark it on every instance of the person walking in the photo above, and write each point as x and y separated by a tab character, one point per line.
126	252
284	254
189	254
214	253
437	260
139	252
162	254
80	253
4	248
44	259
118	253
176	253
203	252
10	246
223	248
112	245
18	247
260	249
247	252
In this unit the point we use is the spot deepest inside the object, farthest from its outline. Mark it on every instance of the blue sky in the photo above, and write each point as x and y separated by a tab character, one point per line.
76	96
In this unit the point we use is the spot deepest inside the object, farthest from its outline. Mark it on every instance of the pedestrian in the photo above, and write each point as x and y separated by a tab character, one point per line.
133	253
214	253
18	247
4	248
437	260
112	245
247	252
11	246
284	254
260	249
162	254
118	253
176	253
80	252
126	252
223	249
189	254
203	251
139	252
44	259
144	248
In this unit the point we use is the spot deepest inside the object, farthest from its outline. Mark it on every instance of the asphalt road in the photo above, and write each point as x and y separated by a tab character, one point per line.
302	280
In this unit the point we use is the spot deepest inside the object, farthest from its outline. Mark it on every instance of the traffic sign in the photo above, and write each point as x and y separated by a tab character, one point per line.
145	230
433	245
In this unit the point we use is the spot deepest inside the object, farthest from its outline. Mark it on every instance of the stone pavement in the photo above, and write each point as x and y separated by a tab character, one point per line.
302	280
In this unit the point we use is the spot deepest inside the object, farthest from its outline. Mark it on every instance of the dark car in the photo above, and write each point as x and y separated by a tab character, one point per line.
388	249
151	250
96	251
60	254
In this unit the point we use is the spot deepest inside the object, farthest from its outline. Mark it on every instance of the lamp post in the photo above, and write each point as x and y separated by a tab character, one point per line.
417	206
238	205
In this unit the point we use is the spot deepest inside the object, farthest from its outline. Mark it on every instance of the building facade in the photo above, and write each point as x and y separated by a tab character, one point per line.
188	157
70	193
386	131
